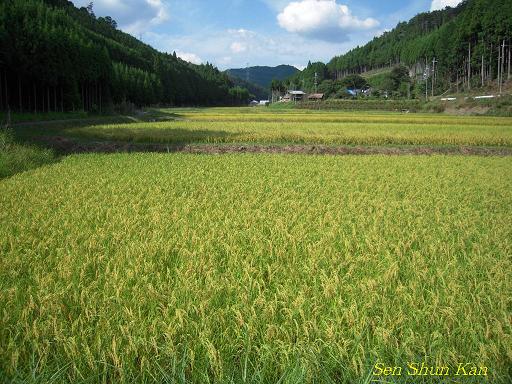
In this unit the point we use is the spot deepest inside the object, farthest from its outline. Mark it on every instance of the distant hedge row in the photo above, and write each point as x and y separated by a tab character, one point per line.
363	105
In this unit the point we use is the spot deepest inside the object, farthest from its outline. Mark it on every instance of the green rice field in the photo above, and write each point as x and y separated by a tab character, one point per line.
179	268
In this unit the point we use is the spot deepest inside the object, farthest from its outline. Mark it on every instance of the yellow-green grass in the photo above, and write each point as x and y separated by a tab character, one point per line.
301	115
264	126
287	126
329	133
254	268
352	118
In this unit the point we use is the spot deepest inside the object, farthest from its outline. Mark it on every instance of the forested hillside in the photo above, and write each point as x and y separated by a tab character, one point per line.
56	57
462	48
262	75
255	91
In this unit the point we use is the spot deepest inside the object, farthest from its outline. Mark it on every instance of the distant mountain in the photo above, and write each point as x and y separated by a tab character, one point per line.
257	91
263	76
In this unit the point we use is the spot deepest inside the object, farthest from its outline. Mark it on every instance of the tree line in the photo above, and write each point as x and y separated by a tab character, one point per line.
56	57
459	48
316	78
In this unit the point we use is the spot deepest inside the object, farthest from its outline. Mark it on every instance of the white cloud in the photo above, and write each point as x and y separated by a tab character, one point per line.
322	19
241	32
190	57
238	47
381	32
442	4
132	16
214	46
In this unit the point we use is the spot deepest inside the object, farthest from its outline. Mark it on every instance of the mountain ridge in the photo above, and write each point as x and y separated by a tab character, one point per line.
263	75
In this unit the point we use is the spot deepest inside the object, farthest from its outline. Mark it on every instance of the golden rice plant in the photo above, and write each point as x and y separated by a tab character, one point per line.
221	125
254	268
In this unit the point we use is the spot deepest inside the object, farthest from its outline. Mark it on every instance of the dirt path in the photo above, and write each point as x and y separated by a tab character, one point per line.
65	145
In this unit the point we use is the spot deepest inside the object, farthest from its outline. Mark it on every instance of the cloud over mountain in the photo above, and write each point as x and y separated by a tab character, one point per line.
132	16
322	19
442	4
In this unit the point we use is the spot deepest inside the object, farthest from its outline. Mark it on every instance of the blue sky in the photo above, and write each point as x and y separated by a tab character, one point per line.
234	33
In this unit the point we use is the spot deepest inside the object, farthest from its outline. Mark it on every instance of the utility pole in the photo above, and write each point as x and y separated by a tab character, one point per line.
502	64
508	74
469	67
499	65
425	77
247	77
316	82
434	61
490	73
482	70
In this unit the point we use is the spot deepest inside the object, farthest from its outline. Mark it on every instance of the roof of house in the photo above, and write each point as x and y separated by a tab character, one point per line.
296	92
316	96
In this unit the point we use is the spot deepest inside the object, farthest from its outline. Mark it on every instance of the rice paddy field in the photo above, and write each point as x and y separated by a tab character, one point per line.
266	268
267	126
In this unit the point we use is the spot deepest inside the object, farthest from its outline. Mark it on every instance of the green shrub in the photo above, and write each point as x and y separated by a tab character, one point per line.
15	158
502	107
435	107
364	105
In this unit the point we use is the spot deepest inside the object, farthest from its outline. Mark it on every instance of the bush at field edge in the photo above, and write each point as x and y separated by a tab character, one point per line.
15	158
